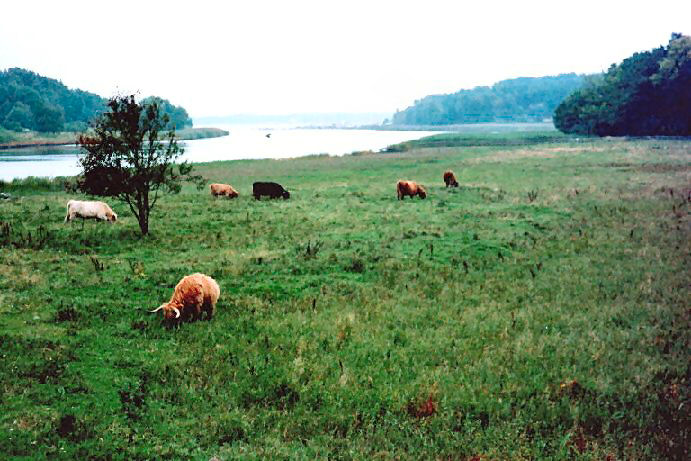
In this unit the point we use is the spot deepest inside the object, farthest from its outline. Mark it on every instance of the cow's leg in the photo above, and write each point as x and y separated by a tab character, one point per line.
196	312
195	301
209	309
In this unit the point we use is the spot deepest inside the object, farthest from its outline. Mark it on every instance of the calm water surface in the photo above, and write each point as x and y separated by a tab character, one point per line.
241	143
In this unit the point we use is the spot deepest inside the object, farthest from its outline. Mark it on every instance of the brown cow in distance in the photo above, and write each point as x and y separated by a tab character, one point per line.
410	188
450	179
224	190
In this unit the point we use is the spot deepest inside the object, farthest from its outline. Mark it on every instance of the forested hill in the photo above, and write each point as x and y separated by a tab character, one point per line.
33	102
30	101
648	94
516	100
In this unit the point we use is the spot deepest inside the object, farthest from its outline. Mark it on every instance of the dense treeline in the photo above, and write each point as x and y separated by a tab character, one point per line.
178	117
647	94
30	101
515	100
33	102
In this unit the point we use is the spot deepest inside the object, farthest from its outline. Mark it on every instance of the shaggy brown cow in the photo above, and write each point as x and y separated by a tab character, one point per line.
410	188
223	189
192	294
450	179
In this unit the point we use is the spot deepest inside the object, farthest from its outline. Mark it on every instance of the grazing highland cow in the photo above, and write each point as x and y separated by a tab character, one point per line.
272	189
192	295
89	210
410	188
223	189
450	179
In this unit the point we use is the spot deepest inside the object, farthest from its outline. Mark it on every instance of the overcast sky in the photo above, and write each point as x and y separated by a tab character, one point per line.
290	56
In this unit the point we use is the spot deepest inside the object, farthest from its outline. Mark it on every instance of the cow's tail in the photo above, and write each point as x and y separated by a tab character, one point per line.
67	216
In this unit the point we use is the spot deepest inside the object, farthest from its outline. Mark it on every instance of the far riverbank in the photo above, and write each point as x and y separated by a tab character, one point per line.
12	140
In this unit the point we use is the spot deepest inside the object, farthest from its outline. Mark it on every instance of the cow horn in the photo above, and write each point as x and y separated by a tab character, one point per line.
177	312
158	308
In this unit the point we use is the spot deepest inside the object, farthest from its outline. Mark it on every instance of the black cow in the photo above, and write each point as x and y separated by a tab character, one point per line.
272	189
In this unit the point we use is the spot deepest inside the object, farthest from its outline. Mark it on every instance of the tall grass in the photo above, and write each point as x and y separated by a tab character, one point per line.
33	184
10	138
200	133
7	135
465	139
538	311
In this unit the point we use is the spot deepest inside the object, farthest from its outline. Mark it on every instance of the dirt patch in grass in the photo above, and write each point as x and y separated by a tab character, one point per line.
667	151
18	272
649	167
663	168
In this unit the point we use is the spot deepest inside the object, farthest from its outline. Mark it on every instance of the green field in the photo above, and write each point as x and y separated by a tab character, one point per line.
539	311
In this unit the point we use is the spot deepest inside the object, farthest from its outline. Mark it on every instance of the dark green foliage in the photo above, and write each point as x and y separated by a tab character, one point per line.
129	157
48	118
177	116
30	101
647	94
7	135
19	116
515	100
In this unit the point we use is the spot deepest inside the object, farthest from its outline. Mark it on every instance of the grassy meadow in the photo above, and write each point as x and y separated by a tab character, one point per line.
539	311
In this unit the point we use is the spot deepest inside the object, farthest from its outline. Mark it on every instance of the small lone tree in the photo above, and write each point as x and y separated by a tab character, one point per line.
130	157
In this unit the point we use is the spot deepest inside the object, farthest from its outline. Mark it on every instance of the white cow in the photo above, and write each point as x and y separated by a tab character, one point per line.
86	210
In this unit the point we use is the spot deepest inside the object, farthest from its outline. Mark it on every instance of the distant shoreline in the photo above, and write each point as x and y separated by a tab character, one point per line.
34	139
501	126
21	145
464	127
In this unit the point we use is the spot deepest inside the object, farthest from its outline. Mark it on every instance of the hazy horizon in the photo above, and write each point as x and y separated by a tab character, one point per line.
346	119
271	57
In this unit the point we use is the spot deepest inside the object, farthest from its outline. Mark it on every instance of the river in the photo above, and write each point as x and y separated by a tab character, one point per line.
242	143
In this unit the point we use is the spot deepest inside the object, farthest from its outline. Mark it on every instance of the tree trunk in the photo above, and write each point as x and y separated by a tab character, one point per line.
144	221
143	205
